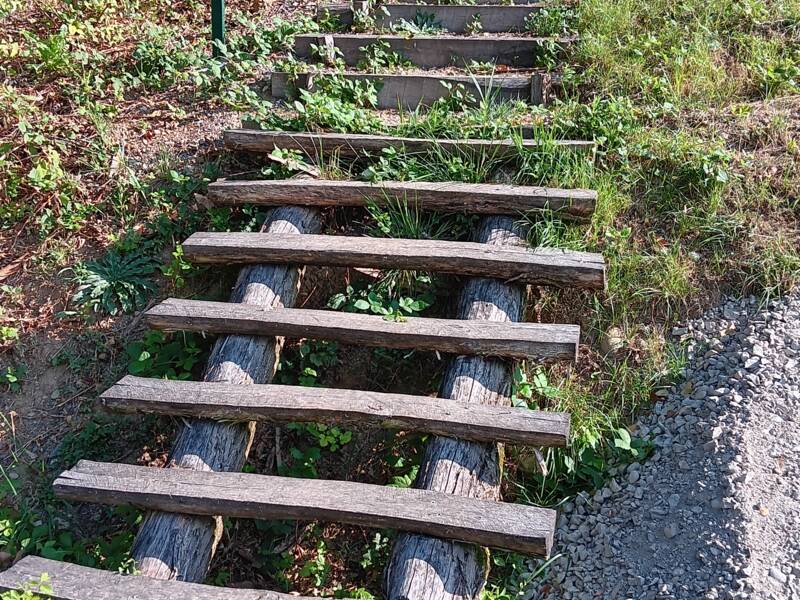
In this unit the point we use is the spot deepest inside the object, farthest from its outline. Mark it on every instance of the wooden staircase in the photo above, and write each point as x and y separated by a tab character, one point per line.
454	508
511	65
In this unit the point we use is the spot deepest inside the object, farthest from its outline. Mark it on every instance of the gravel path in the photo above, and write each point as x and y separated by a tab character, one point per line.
715	512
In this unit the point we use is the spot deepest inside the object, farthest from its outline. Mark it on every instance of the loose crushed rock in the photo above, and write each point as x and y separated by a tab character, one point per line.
715	511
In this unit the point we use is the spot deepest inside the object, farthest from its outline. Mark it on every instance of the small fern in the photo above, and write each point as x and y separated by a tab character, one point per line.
114	284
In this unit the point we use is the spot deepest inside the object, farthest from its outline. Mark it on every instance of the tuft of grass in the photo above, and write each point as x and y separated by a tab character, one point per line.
116	283
406	220
774	268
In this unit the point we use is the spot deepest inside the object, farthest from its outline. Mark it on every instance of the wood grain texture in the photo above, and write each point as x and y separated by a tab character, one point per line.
483	2
542	266
287	404
513	527
74	582
516	340
351	144
175	546
452	196
438	51
428	568
457	18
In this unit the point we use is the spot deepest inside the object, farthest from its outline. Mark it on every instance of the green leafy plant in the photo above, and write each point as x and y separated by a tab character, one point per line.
550	20
475	25
637	448
285	163
423	24
8	334
178	269
781	76
523	389
328	437
364	19
356	593
481	67
115	283
405	467
24	530
165	356
379	301
379	57
13	377
512	575
377	551
330	56
317	568
306	363
32	590
329	22
339	104
303	463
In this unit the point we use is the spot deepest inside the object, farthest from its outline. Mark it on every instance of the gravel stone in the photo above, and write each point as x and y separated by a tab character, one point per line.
715	512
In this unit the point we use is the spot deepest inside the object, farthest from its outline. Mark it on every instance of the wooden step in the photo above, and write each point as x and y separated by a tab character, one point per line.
438	51
449	196
361	4
411	90
454	18
357	144
74	582
543	266
512	527
288	404
515	340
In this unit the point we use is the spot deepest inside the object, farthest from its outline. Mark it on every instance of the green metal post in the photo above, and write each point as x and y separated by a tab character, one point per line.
217	24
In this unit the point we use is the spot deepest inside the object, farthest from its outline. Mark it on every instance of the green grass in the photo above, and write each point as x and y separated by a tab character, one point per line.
689	52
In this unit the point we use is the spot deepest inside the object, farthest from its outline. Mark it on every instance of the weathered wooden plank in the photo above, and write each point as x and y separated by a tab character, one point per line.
428	568
410	90
516	340
542	266
511	527
466	2
438	51
288	404
74	582
176	546
455	18
452	196
452	17
356	144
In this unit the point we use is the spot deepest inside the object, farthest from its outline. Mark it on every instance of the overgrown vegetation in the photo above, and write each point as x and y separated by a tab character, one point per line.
693	106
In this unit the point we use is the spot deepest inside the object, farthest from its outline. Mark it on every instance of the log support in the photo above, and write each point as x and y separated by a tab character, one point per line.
428	568
175	546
